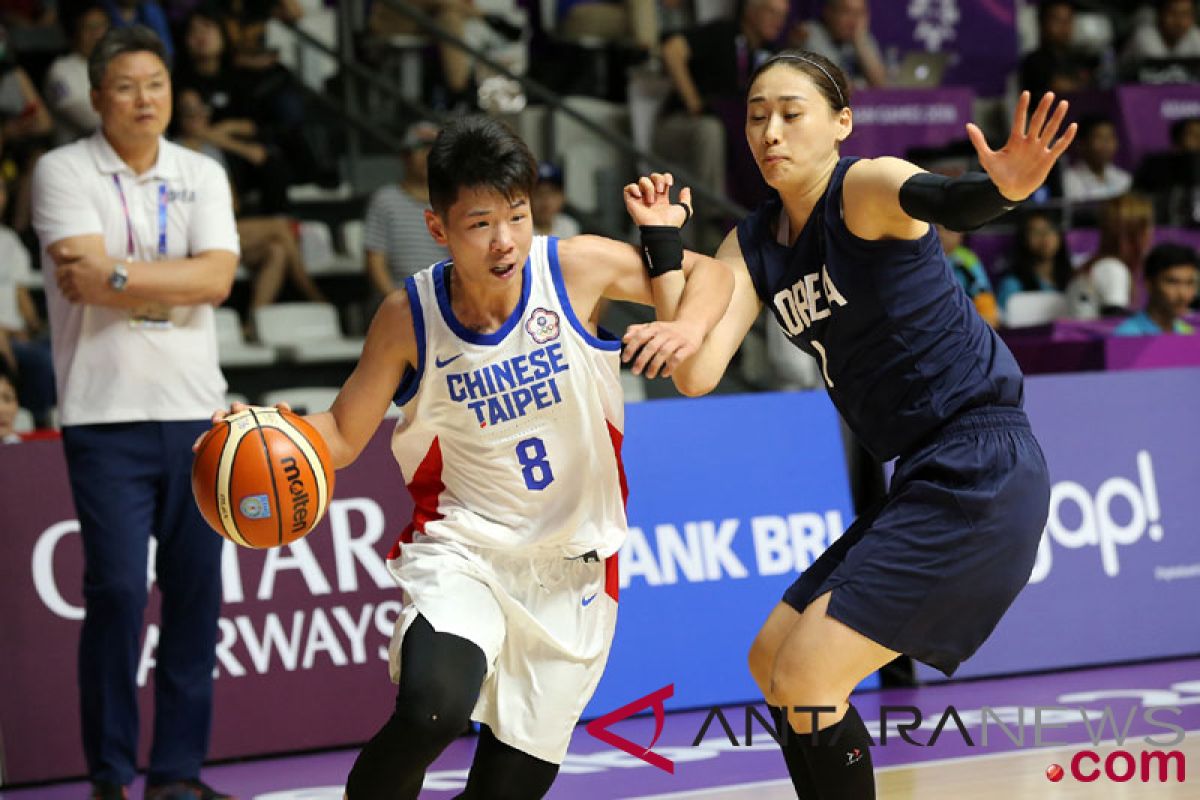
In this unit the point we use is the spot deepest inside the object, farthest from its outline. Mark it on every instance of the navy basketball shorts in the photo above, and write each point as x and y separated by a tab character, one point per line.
930	570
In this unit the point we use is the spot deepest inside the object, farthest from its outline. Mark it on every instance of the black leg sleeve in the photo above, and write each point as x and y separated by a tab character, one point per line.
440	678
502	772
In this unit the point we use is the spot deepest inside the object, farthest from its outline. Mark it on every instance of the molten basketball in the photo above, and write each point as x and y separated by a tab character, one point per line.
262	477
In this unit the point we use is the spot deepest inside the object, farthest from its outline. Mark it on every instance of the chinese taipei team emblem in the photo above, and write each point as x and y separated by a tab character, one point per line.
542	325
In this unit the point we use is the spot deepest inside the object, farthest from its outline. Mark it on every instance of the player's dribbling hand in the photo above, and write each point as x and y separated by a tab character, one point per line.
657	348
234	408
648	201
1020	167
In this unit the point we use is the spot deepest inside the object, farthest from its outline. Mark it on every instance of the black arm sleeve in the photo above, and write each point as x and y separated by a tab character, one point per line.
960	204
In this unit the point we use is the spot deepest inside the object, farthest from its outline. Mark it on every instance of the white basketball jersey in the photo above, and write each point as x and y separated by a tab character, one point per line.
513	439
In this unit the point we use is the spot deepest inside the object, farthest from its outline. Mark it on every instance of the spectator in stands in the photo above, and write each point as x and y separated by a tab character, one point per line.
1172	277
1173	34
253	158
28	14
269	247
843	35
246	27
205	64
1056	65
1185	135
22	325
67	91
709	66
1172	177
236	84
384	22
25	127
971	275
8	402
611	20
1040	262
136	357
1103	286
1092	174
395	238
547	204
123	13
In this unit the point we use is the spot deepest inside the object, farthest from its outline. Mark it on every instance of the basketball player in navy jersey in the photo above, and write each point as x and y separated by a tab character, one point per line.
846	259
509	443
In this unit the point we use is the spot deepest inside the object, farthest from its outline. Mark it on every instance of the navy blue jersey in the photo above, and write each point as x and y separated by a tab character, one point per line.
901	348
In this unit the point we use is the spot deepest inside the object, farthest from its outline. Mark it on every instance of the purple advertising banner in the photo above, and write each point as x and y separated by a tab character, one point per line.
978	36
1147	113
1118	571
301	658
891	121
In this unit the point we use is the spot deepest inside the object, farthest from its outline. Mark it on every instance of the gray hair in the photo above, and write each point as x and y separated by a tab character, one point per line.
118	42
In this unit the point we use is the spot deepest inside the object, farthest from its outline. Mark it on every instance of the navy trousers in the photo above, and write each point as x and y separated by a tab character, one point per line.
132	481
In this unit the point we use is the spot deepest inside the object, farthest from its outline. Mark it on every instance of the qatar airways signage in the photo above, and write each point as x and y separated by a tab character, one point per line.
303	631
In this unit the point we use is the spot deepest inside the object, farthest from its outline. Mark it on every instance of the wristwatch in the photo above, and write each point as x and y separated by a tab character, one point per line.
119	277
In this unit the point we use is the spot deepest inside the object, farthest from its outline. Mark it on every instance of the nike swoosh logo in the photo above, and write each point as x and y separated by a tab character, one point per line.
587	601
441	363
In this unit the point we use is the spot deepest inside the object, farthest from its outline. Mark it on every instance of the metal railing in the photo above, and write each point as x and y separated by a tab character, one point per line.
352	69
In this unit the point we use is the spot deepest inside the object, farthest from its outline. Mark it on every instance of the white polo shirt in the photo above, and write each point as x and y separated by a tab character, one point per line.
109	366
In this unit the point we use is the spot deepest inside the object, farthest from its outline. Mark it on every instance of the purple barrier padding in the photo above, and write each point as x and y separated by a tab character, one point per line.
1118	570
1040	355
304	629
1066	330
1151	352
889	122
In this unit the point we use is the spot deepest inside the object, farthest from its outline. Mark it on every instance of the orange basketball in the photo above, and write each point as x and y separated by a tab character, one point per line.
262	477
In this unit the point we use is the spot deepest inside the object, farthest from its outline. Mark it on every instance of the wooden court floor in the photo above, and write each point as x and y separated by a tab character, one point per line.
1002	776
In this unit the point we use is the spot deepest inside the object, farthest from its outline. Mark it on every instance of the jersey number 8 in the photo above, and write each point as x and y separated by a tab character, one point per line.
531	454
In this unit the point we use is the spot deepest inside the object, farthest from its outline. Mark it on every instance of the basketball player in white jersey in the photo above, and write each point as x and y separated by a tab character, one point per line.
510	444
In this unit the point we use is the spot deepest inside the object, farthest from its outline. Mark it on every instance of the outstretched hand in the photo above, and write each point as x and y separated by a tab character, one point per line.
648	201
1023	164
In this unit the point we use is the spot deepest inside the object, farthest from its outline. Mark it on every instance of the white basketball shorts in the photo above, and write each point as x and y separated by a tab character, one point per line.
545	624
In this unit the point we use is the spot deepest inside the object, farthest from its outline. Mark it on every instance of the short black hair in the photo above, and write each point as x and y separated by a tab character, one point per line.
1167	255
479	152
1045	6
1179	126
72	16
1161	5
1089	123
118	42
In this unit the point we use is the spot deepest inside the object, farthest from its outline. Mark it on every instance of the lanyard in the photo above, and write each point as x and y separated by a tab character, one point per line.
130	249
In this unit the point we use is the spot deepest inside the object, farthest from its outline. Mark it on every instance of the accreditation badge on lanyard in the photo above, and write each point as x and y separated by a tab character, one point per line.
151	315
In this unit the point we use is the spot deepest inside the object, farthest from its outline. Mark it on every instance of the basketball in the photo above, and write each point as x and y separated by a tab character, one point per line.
262	477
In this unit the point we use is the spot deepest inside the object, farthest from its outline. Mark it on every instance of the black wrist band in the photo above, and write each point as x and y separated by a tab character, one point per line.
662	249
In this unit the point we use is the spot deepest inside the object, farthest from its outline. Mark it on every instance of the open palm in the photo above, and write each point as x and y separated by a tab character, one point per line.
1021	166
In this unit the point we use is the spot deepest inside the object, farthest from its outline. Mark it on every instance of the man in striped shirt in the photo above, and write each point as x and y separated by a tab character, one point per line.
396	241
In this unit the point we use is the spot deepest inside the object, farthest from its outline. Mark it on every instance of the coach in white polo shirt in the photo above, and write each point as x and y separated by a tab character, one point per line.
138	245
